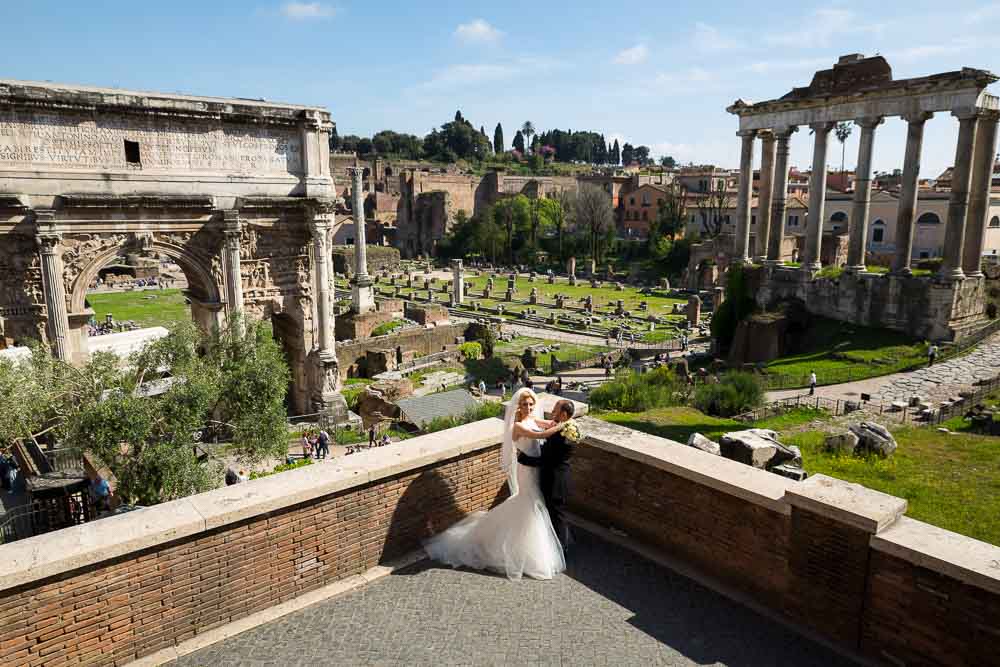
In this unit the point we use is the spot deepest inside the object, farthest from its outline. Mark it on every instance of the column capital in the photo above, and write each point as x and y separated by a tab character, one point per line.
783	133
966	114
988	114
48	242
869	122
917	117
822	126
766	135
747	133
231	222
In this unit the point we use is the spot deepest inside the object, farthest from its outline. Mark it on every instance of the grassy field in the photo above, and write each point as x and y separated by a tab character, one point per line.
605	298
147	308
949	480
838	351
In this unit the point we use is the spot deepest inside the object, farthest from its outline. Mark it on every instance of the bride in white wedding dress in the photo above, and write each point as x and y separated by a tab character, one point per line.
515	538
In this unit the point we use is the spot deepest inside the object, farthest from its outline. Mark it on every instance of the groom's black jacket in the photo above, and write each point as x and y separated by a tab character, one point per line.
553	477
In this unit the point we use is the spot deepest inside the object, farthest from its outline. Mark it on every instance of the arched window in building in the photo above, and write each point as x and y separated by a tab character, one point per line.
994	221
878	231
839	220
929	219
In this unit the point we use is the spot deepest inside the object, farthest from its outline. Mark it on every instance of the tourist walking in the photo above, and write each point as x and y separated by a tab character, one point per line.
371	436
11	475
324	444
812	382
932	353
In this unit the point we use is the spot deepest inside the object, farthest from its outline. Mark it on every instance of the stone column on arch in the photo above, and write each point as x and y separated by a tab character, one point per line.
325	382
231	229
57	316
742	241
979	196
362	292
779	194
817	198
958	205
909	190
862	194
767	149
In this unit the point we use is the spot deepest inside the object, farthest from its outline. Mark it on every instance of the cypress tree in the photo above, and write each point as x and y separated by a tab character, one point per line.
498	145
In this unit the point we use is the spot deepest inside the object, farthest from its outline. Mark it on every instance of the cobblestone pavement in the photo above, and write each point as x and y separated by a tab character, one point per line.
610	608
947	378
935	383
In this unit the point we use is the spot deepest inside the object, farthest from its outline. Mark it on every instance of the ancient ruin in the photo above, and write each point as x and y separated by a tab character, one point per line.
237	192
862	90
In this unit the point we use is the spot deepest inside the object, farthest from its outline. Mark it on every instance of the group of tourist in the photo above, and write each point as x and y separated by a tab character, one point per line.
315	444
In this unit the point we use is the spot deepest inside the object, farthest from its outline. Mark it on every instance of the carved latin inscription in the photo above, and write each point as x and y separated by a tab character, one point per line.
98	142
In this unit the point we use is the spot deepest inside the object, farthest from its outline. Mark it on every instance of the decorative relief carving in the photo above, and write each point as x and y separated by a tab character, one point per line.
70	140
81	251
20	274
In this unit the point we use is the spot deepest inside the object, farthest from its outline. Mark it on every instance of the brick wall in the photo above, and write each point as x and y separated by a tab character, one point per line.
741	543
832	557
113	611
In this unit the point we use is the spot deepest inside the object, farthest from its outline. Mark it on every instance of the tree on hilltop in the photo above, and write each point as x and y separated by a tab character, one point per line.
498	145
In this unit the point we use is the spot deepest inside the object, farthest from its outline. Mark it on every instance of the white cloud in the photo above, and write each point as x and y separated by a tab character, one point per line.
768	66
477	32
693	80
916	53
984	13
710	38
307	10
454	77
633	56
823	28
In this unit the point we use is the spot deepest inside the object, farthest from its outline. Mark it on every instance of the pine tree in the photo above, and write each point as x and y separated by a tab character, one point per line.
458	117
519	142
498	145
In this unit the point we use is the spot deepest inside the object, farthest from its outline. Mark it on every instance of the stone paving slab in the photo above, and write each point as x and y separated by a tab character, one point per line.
611	607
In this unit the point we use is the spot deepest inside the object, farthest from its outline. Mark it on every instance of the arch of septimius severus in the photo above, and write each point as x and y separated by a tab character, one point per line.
862	91
237	192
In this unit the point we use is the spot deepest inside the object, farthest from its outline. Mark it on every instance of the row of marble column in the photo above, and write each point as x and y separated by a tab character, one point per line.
967	211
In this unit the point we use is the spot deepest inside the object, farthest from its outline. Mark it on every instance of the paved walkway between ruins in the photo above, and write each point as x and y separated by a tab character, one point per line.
611	607
939	382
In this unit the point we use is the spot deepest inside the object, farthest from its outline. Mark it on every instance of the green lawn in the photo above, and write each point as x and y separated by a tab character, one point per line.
839	352
147	308
949	480
605	298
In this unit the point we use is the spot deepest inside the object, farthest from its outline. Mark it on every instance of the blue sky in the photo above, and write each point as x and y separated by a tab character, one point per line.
659	74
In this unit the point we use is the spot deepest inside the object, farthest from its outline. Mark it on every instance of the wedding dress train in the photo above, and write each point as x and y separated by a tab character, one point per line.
515	538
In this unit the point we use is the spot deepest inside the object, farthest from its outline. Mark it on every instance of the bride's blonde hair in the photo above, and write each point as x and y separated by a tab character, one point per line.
523	412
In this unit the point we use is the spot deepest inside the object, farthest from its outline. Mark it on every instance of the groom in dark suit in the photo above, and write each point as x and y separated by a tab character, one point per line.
553	465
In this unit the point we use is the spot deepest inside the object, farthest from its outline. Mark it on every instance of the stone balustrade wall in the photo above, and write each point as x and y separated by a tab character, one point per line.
837	559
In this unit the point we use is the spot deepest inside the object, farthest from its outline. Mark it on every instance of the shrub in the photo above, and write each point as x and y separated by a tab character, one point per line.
991	310
471	350
484	410
736	306
632	392
282	468
386	328
734	394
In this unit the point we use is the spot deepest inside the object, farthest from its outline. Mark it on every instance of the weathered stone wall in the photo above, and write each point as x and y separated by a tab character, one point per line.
410	342
922	307
378	258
